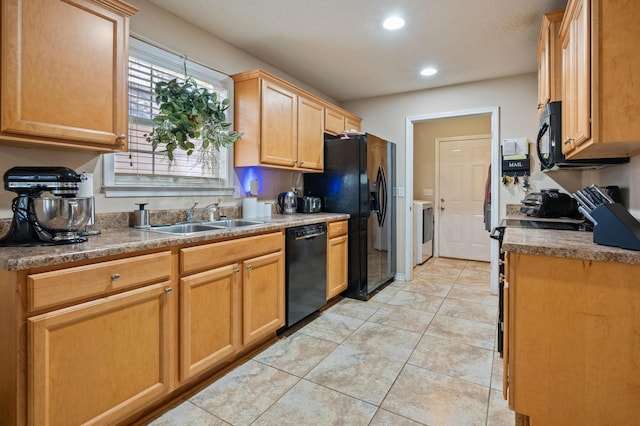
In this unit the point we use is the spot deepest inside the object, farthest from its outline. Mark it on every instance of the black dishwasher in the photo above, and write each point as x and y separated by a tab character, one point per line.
306	270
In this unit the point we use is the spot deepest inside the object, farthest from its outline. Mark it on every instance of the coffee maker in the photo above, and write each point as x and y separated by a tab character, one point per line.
45	221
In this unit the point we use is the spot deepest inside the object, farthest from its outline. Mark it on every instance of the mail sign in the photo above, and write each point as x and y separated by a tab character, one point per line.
516	167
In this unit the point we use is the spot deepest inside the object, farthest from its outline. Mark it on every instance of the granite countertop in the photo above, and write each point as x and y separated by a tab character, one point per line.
569	244
121	240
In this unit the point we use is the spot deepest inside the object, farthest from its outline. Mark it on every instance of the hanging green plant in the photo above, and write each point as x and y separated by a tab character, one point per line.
190	115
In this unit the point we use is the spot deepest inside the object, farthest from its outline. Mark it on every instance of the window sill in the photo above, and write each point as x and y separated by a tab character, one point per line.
163	191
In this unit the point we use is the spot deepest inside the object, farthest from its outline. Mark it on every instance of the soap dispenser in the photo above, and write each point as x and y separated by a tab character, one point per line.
141	216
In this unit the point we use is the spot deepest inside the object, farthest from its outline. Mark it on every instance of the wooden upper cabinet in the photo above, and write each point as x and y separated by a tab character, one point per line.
279	130
282	125
549	60
601	100
337	121
64	73
310	124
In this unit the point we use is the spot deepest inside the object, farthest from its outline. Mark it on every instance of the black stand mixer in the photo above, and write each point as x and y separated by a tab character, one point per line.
45	221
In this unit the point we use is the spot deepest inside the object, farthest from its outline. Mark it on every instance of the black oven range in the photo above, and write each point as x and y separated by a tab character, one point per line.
497	233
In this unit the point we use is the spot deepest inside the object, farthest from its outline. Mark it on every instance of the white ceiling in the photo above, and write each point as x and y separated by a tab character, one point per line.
340	48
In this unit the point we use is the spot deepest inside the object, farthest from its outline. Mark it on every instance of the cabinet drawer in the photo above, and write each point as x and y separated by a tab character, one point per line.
67	285
193	259
337	228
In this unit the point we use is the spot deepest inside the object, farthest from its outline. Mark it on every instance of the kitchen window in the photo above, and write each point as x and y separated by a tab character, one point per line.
142	172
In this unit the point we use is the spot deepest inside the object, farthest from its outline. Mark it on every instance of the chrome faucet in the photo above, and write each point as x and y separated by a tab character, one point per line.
192	214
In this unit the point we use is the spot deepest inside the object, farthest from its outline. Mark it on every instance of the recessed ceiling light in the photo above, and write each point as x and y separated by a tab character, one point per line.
393	23
427	72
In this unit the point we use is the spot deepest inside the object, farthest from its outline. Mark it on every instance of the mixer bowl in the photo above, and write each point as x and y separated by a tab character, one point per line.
62	214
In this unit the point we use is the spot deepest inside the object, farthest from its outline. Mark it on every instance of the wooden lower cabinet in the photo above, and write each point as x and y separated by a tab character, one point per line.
209	319
572	348
337	258
263	300
99	361
234	302
104	342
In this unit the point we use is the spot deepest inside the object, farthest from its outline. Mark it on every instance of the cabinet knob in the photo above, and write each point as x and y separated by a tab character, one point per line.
295	162
121	136
566	141
249	267
236	270
115	277
168	290
301	163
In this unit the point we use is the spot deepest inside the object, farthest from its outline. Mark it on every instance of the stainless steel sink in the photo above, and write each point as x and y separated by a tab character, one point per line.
194	228
233	223
185	228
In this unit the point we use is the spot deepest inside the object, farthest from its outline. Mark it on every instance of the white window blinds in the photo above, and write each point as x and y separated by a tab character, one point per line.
140	165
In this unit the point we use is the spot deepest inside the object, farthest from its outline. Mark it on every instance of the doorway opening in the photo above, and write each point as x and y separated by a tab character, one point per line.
427	191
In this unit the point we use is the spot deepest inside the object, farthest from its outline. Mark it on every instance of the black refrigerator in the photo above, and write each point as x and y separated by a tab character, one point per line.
358	178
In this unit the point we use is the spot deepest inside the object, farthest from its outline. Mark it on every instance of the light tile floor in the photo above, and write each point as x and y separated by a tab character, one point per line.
419	352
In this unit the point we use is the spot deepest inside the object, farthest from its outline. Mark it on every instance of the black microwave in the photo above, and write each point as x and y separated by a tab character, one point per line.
549	144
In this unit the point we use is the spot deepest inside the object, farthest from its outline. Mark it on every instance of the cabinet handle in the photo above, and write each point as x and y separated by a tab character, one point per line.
249	267
121	136
566	141
295	162
115	277
301	163
236	270
168	290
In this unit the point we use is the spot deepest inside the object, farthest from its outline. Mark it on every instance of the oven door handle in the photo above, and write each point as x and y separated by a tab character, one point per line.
496	233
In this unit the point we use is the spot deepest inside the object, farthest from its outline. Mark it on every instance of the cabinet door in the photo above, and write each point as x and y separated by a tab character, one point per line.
336	265
576	108
549	60
351	124
310	134
209	319
279	130
543	70
100	361
263	302
333	121
64	73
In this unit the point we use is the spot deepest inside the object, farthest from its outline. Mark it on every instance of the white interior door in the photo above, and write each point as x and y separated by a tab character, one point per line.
463	166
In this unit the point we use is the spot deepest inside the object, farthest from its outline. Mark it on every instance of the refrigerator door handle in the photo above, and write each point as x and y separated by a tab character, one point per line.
381	181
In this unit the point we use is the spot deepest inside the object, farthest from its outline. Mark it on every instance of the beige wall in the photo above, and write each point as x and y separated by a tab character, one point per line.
424	146
166	30
516	98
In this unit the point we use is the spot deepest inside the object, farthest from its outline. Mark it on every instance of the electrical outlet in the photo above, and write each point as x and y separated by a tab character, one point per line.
399	191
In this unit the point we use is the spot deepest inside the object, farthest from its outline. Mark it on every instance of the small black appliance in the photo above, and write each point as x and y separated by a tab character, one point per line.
549	203
45	221
549	144
307	204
